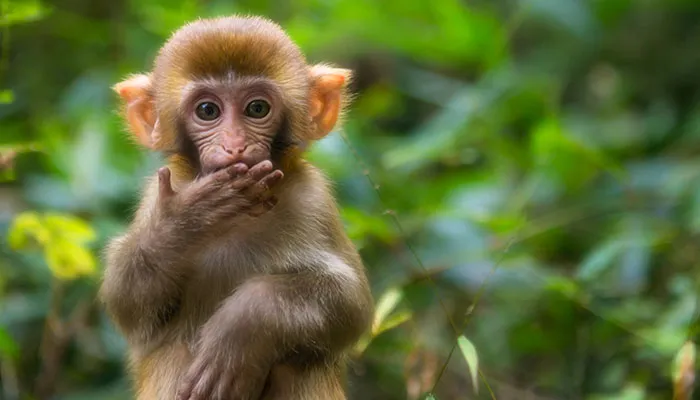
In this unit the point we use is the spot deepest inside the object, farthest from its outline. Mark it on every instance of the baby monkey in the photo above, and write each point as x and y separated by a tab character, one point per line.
235	279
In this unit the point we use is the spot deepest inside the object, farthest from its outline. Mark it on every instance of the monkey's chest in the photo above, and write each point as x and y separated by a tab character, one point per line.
217	271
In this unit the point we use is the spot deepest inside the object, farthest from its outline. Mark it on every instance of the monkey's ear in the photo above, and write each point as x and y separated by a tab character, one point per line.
328	86
136	93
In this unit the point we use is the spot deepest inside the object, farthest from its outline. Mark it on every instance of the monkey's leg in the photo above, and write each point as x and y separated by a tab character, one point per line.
158	374
320	382
269	317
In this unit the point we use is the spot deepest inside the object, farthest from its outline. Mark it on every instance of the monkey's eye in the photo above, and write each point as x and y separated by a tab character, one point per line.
257	109
207	111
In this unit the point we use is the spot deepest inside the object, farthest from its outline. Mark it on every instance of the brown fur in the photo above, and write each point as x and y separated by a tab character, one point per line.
250	46
276	298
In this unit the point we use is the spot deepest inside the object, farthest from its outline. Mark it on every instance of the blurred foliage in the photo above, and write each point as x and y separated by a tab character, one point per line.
62	239
519	174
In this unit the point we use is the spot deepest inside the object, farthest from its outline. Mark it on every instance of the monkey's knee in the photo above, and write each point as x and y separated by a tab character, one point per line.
158	374
314	383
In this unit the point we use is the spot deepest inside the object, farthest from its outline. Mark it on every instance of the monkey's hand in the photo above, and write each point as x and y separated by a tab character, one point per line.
217	197
231	361
215	375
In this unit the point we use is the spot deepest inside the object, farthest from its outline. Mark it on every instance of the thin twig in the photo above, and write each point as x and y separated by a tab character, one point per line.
57	335
52	343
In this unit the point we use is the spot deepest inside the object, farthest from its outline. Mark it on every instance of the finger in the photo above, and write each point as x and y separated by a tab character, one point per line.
254	174
224	387
164	187
225	175
237	170
260	170
249	386
202	390
263	185
183	393
190	379
272	179
185	390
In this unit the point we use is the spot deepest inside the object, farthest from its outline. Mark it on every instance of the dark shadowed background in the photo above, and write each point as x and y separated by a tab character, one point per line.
521	174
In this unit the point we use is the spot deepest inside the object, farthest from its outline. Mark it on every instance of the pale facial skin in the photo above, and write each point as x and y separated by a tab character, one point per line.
232	123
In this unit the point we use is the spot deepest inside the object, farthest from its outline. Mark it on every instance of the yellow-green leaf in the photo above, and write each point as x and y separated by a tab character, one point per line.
68	260
469	352
8	346
70	228
7	175
6	96
684	371
393	321
25	226
386	304
23	11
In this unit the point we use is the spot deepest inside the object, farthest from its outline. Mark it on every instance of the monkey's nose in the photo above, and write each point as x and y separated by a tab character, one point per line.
234	150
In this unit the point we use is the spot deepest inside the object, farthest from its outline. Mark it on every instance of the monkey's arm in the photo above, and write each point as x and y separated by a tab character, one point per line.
148	267
314	314
143	276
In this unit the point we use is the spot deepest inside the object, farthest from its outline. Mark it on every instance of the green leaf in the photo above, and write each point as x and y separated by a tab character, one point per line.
600	259
8	346
162	18
563	285
361	225
469	352
7	96
430	396
561	156
386	304
630	392
7	175
22	147
393	321
572	15
23	11
503	223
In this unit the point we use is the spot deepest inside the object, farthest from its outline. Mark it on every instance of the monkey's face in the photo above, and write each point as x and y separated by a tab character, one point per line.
231	121
232	90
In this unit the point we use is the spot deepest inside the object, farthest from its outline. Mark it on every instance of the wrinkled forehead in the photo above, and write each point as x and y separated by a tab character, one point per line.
233	87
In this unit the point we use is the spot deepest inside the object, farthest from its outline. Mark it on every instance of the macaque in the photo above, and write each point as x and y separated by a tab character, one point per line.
235	279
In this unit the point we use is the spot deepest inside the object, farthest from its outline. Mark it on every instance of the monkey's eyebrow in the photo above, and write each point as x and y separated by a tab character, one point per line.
242	82
201	85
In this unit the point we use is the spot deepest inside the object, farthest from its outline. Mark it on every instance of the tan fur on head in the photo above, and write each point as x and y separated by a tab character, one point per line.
212	48
228	48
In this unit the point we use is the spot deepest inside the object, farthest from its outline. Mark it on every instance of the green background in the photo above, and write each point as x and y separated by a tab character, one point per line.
525	169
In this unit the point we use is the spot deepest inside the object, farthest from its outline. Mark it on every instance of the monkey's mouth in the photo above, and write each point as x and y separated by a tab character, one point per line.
218	160
221	167
249	163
